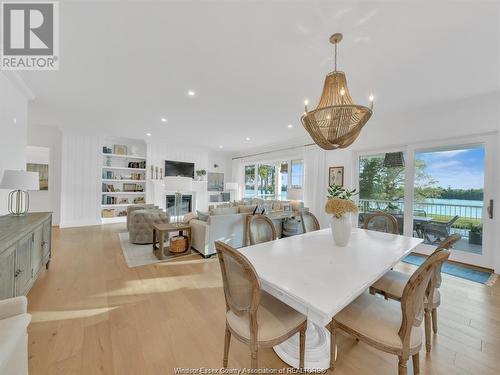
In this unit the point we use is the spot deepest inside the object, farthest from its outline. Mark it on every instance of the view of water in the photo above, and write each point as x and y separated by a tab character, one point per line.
452	207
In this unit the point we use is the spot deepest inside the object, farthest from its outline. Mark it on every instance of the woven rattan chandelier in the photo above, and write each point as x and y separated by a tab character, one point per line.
337	121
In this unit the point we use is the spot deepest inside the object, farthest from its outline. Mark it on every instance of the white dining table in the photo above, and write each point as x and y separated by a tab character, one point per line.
318	278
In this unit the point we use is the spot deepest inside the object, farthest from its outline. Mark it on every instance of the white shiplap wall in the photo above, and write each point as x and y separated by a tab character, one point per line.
80	180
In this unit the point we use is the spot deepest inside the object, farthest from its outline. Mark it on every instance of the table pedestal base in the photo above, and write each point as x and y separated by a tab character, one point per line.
317	354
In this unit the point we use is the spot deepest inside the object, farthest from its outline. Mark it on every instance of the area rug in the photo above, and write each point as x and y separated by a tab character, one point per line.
483	277
140	255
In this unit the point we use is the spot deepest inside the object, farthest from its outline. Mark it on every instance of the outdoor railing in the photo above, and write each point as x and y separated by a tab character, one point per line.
468	214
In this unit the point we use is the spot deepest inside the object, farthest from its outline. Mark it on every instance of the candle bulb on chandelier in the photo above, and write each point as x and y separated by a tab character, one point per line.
371	98
306	102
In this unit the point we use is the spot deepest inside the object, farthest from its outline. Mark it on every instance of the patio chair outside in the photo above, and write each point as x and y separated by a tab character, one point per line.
436	231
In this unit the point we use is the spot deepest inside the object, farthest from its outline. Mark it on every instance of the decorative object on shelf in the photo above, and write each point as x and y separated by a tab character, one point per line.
337	121
137	164
108	212
152	172
136	176
21	182
200	173
129	187
156	173
215	181
336	176
340	206
178	185
108	161
120	149
106	150
139	200
123	201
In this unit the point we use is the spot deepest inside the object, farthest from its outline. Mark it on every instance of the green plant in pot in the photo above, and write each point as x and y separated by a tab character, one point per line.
476	234
200	173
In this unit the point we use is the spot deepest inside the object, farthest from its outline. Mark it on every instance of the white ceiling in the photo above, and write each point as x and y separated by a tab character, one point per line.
124	65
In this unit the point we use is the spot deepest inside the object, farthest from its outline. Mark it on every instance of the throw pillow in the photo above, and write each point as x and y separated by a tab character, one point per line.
243	209
224	210
203	216
189	216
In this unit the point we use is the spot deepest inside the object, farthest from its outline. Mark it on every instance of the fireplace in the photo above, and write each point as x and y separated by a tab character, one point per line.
186	204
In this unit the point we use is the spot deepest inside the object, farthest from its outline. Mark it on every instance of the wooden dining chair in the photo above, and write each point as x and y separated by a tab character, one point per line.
381	222
392	284
253	316
260	229
387	325
309	222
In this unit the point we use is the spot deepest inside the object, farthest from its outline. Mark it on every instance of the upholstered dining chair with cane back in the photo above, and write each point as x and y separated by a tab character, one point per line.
390	326
309	222
392	284
260	229
253	316
381	222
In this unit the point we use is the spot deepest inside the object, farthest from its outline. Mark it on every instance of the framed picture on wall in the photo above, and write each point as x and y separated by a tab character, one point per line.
43	174
215	181
336	176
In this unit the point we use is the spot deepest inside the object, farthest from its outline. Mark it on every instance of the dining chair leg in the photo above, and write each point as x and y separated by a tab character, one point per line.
416	363
302	347
427	323
435	320
333	346
227	341
402	370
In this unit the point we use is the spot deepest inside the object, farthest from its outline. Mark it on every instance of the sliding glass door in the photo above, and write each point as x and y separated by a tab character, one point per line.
435	190
381	186
449	197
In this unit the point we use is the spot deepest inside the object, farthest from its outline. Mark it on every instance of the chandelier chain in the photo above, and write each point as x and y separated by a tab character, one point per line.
335	57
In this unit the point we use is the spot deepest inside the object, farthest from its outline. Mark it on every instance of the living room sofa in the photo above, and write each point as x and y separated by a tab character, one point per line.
228	224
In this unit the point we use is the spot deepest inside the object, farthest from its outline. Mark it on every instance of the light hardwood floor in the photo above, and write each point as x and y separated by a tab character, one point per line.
94	315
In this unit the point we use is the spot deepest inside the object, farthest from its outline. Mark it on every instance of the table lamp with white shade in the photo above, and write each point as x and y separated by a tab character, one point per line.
178	184
20	182
232	186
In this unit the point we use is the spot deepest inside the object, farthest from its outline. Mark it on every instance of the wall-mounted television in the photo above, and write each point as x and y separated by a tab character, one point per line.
179	168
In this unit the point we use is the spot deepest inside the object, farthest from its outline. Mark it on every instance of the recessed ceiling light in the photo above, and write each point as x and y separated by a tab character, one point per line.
163	119
191	93
148	134
247	138
14	120
220	146
290	126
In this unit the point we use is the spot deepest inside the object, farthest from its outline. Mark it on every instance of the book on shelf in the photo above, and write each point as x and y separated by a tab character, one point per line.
106	199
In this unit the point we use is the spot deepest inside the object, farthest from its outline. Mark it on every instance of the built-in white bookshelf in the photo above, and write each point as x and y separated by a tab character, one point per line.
123	181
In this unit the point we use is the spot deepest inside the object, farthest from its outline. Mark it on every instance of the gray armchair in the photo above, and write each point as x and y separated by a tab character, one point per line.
141	224
436	231
136	207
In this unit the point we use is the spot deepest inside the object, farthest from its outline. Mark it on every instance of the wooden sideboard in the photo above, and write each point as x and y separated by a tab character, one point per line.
25	247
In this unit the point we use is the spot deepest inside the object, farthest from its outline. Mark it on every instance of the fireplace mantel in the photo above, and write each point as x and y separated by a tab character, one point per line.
157	194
